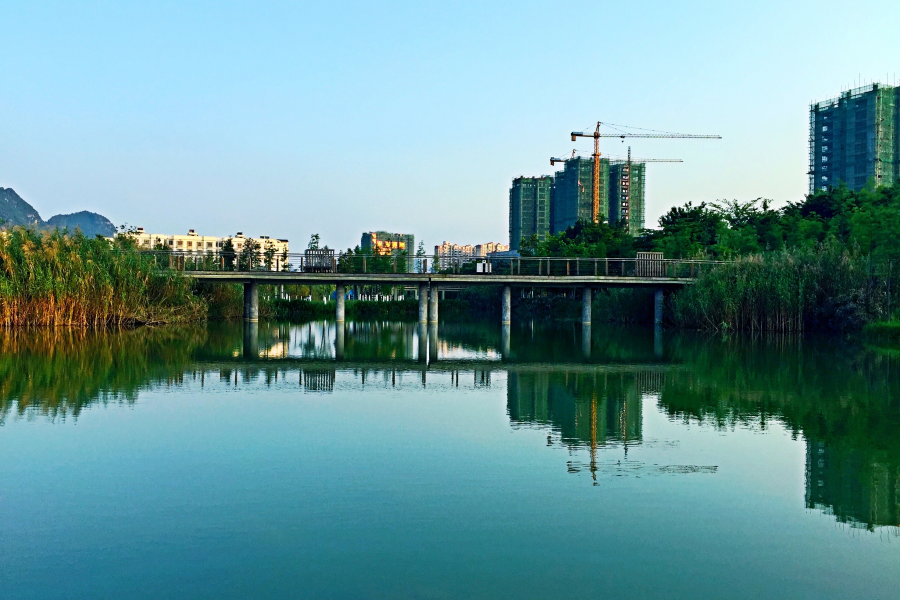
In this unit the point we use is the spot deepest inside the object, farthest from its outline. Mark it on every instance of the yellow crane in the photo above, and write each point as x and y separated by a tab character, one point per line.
595	184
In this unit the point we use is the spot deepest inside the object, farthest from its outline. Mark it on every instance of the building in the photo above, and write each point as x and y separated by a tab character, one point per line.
571	200
529	208
486	250
854	138
626	194
383	242
448	254
193	243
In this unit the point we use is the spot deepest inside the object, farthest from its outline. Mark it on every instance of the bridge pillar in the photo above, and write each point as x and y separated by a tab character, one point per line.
433	304
423	303
658	306
586	306
251	301
586	340
506	312
505	335
339	291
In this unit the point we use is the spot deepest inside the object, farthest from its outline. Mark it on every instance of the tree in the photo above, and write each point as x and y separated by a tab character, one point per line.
228	254
313	242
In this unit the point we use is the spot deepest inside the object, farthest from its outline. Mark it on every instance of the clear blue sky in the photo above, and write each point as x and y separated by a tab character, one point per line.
285	119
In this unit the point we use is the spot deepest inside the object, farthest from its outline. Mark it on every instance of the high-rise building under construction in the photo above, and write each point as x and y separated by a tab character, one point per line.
545	205
572	190
529	209
855	138
626	194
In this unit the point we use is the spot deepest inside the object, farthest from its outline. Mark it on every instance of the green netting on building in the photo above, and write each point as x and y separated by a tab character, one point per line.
572	189
529	209
626	194
853	138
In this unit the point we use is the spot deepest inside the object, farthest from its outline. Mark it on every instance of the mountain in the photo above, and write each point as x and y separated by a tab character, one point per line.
15	211
90	223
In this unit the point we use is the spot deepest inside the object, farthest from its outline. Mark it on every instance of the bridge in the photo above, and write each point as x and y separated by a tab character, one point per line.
428	275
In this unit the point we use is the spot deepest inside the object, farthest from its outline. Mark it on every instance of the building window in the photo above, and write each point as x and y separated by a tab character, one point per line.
824	127
824	159
824	148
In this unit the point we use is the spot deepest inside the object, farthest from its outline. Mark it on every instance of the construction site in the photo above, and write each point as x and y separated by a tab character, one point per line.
588	188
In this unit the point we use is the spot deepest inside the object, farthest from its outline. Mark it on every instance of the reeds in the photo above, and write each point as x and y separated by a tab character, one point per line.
52	279
829	288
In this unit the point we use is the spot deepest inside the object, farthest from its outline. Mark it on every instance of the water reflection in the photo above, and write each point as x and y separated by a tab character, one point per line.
587	389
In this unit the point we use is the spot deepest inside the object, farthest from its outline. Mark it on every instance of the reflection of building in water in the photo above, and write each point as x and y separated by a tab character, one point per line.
318	380
585	408
855	486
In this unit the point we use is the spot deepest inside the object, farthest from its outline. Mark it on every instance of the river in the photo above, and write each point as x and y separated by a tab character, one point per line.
288	461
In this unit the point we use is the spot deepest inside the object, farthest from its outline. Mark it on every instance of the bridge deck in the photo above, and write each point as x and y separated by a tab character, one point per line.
434	279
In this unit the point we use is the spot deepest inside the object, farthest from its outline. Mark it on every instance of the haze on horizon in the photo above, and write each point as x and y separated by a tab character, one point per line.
286	119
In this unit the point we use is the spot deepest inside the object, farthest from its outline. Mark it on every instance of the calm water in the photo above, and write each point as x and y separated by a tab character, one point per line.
218	463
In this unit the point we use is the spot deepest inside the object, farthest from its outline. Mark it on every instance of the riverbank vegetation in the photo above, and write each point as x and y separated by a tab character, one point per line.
53	278
825	263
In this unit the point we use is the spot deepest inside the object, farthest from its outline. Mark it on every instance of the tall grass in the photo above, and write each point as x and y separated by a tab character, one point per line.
826	289
50	279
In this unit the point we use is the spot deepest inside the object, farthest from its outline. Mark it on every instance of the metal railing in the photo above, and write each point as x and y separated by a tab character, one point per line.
485	267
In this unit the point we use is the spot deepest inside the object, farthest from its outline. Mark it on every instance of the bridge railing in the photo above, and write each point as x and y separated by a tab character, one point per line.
351	263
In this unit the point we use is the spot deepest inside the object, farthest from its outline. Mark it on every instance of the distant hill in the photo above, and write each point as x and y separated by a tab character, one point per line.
90	223
15	211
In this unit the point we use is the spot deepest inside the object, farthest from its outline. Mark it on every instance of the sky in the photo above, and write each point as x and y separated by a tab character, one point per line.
292	118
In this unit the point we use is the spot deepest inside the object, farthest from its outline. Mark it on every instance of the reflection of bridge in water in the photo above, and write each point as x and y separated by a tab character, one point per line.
843	402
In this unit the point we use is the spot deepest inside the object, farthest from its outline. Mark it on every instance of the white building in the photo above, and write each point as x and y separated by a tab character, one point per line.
194	243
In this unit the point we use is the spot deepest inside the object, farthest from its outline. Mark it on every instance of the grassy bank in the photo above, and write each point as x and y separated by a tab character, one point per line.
50	279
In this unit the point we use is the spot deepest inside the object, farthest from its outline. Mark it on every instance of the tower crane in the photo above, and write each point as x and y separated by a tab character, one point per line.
595	187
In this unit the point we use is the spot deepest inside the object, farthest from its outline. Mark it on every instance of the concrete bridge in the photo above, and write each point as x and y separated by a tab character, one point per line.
585	274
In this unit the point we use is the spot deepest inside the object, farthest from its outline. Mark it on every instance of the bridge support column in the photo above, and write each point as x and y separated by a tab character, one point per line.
423	303
586	297
339	291
586	340
506	312
251	301
658	306
433	304
505	335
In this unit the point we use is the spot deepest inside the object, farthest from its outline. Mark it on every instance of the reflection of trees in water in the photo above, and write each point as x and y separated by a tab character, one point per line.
57	372
844	400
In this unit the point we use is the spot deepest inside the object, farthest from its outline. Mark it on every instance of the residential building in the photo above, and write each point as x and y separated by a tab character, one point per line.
194	243
854	138
448	254
384	242
529	208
